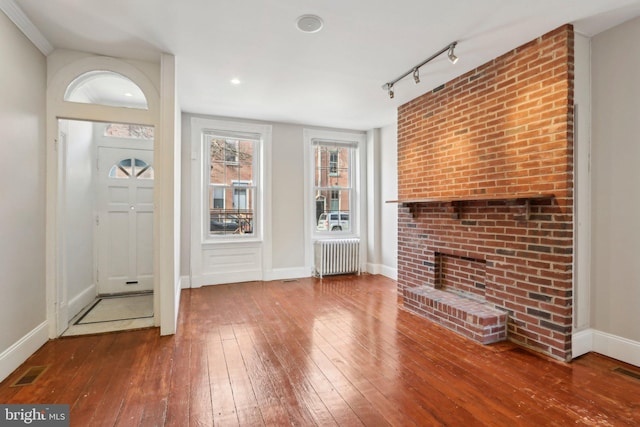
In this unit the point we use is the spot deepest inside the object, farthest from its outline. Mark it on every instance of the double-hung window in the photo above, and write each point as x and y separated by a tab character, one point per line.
231	173
334	186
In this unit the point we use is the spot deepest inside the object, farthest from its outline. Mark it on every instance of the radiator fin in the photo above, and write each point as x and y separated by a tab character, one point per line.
337	256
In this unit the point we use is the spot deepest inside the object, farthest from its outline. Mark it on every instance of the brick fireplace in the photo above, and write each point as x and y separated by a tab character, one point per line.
485	188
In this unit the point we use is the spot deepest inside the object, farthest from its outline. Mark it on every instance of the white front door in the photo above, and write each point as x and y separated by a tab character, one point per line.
125	220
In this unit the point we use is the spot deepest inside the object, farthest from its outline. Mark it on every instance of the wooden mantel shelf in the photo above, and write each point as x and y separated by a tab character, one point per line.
455	202
475	198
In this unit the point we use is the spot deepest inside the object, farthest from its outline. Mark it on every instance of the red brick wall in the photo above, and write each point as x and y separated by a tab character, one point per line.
504	129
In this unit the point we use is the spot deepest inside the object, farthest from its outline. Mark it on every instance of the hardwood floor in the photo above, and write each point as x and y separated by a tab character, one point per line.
337	351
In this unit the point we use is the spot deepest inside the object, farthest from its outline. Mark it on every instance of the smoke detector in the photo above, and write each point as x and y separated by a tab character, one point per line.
309	23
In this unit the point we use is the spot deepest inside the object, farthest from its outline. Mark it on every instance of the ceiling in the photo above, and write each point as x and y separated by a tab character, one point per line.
330	78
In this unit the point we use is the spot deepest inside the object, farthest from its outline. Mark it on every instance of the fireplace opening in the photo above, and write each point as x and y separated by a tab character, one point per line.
461	274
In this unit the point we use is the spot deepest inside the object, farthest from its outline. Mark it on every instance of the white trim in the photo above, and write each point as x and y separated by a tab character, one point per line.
581	343
383	270
166	236
374	198
617	347
82	300
176	300
287	273
373	268
57	107
185	282
20	19
21	350
582	243
226	278
260	244
613	346
390	272
358	227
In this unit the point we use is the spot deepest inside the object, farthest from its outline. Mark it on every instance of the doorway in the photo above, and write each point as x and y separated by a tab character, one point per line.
106	188
125	220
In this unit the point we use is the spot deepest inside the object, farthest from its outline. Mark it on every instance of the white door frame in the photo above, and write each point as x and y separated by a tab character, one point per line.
57	108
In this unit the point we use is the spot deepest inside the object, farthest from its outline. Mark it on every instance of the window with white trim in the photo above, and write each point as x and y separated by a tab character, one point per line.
333	186
231	173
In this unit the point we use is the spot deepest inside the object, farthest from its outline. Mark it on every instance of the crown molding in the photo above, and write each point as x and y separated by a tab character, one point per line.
18	17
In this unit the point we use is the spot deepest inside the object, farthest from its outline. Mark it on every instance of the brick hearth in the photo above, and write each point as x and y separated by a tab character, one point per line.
468	317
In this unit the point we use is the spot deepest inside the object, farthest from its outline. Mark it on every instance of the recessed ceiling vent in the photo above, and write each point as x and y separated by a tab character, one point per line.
309	23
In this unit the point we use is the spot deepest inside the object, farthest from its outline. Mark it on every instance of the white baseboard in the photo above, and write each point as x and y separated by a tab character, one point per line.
248	276
223	278
287	273
613	346
617	347
14	356
177	296
374	268
581	342
390	272
80	301
185	282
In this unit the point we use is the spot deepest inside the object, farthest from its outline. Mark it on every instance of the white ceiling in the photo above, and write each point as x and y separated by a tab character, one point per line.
330	78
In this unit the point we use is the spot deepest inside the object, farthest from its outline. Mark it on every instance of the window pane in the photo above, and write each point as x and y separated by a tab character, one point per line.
332	210
217	174
333	162
145	173
218	149
127	168
231	210
218	198
123	169
245	152
231	151
232	193
231	160
106	88
118	172
119	130
332	166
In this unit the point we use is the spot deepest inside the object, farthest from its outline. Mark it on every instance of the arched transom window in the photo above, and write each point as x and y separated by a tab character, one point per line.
106	88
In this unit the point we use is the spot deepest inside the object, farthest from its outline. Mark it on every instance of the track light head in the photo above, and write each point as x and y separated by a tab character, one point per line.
416	75
390	88
452	56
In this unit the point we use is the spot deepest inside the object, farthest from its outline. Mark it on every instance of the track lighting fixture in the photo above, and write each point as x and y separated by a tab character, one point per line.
452	56
416	70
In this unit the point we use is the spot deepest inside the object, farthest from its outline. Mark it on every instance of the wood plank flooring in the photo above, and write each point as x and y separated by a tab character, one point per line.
337	351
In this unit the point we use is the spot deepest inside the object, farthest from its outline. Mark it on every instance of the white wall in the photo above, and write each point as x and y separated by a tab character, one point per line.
287	198
615	272
78	242
389	212
374	202
22	189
